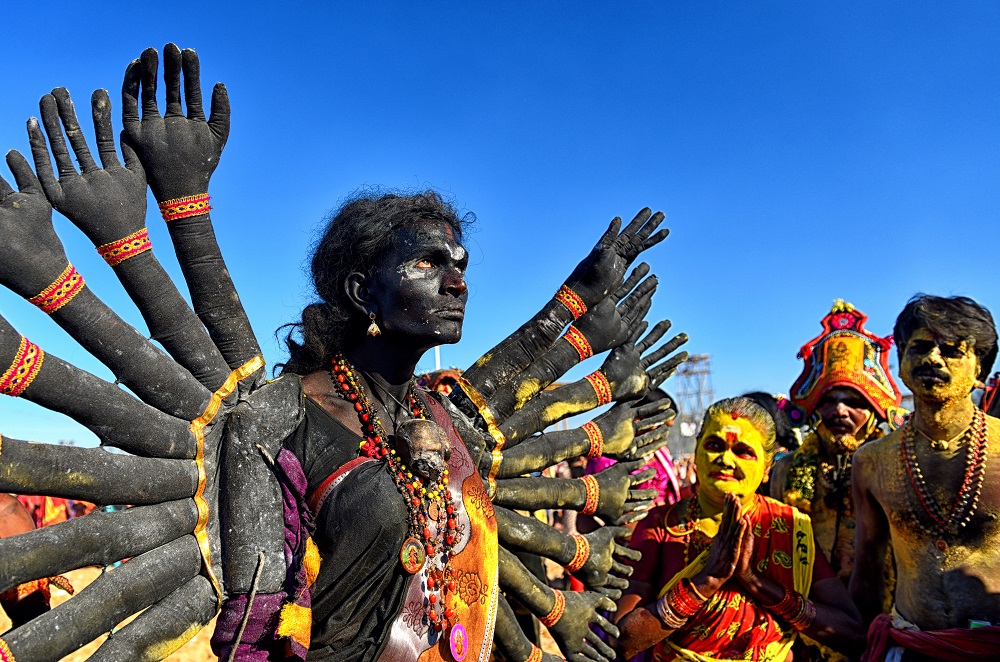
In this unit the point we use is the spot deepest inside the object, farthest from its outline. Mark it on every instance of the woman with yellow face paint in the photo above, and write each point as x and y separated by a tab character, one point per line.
730	574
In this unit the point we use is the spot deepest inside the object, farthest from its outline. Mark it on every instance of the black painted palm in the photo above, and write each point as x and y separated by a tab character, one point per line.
201	426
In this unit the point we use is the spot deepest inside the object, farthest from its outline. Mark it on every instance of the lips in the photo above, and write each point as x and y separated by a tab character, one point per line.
456	314
932	375
722	475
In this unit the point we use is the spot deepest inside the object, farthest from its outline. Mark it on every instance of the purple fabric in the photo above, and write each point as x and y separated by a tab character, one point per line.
260	642
664	482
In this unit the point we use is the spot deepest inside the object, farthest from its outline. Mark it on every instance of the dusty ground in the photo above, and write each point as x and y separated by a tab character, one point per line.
196	650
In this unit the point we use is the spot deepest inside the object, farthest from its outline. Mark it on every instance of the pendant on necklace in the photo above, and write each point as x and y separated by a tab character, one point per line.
942	545
940	445
412	555
459	642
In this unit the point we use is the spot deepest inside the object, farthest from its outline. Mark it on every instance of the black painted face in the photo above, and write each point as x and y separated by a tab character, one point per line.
419	295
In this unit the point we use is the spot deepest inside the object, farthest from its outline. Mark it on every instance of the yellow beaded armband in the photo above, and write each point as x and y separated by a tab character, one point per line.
579	342
581	554
192	205
601	387
58	294
593	490
116	252
5	654
596	440
556	613
27	363
572	301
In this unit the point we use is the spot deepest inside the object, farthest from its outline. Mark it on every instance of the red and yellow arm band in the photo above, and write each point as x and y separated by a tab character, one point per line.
25	367
602	388
572	301
60	292
116	252
580	555
178	208
558	607
579	342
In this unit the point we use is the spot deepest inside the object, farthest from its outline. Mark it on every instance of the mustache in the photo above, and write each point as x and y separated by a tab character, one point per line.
931	371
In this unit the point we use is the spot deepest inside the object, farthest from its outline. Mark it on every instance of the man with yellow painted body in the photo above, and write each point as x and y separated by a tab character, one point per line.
932	488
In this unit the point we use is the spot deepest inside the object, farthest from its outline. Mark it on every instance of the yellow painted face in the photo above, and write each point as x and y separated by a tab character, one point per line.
730	457
938	370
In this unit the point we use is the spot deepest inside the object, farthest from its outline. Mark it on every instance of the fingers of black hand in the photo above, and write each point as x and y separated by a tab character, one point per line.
100	108
636	224
622	551
655	239
5	189
218	122
667	348
130	94
601	647
637	332
621	569
611	233
658	373
637	274
149	62
67	113
172	80
651	422
192	84
23	176
653	336
50	118
605	624
40	153
642	477
617	583
647	229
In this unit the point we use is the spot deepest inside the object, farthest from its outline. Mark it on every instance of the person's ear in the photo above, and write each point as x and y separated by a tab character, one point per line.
356	287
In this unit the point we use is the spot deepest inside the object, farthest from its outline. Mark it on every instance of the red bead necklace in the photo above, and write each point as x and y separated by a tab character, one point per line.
431	516
967	500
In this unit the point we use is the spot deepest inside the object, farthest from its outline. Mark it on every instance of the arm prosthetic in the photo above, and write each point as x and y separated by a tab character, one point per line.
96	539
34	265
179	155
164	627
592	557
567	615
93	474
623	376
510	641
609	494
606	325
108	600
113	415
594	278
109	206
625	432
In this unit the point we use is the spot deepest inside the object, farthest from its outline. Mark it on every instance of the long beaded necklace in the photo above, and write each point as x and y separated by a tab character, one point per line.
431	517
687	528
964	507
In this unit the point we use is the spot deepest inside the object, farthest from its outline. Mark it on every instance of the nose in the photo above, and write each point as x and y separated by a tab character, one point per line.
841	410
454	283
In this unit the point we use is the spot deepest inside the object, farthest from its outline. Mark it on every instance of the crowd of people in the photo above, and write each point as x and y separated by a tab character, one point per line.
348	510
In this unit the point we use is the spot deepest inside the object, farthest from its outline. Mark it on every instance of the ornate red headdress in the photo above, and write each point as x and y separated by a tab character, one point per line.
846	354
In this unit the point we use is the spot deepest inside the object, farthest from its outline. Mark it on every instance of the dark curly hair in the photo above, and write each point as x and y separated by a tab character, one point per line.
357	237
953	319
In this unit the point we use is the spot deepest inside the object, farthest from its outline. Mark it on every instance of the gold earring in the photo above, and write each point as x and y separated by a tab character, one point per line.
373	329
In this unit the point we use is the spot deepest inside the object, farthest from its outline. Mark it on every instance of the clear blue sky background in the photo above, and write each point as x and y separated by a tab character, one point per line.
801	151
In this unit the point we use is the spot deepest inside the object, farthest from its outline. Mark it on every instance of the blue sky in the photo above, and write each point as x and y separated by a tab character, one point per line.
801	151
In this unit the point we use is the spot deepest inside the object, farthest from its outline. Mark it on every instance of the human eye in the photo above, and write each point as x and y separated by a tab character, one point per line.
714	444
425	263
744	451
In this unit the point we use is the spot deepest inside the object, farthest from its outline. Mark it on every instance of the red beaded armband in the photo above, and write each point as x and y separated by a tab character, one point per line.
786	607
116	252
27	363
593	495
581	554
596	440
579	342
556	613
601	387
58	294
572	301
192	205
6	655
536	654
